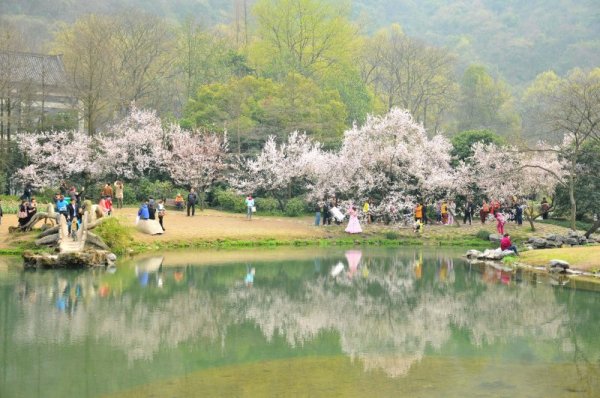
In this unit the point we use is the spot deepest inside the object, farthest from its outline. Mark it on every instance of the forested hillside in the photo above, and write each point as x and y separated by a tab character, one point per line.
519	39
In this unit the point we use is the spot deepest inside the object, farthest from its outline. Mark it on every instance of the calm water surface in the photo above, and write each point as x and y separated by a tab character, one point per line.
402	322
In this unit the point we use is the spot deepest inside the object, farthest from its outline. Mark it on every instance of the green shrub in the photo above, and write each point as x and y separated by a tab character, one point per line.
295	207
391	235
117	236
267	205
483	234
155	189
229	200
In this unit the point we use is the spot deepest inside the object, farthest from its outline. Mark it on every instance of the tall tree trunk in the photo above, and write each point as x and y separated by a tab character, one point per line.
572	194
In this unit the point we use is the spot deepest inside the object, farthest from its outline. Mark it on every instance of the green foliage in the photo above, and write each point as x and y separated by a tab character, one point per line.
267	205
483	234
146	188
295	207
252	108
485	103
229	200
10	204
462	143
391	235
117	236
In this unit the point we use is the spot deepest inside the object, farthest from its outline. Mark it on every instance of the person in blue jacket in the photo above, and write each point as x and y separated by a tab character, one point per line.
143	213
61	206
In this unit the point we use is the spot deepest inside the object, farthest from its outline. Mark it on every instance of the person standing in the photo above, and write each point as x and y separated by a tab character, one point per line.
107	191
160	210
192	199
419	212
61	206
318	209
451	212
1	212
519	213
353	223
151	208
545	209
367	210
326	213
483	213
249	207
444	212
500	221
27	193
469	208
119	193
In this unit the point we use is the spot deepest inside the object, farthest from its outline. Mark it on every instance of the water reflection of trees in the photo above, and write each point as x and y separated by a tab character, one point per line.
387	317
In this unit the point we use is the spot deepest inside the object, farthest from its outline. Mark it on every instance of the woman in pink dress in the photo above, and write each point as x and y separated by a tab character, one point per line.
500	223
353	225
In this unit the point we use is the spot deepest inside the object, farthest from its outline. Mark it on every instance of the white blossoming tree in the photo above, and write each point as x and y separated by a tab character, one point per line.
195	158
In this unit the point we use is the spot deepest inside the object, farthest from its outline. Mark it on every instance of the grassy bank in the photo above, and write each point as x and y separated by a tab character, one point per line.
585	258
215	229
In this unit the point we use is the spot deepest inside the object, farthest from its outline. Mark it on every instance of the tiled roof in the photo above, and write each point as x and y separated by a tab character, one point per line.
32	68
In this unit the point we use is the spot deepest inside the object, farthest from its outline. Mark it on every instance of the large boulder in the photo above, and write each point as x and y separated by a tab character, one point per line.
572	241
553	244
473	254
71	260
150	227
539	243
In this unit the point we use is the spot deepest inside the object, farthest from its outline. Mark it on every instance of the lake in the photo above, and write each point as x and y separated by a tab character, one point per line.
318	322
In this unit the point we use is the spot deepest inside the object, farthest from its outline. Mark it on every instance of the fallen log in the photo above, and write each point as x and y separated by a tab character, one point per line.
49	231
47	240
96	241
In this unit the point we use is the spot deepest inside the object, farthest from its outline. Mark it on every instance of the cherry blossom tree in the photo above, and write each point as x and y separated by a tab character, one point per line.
391	158
55	156
135	147
196	158
503	171
279	168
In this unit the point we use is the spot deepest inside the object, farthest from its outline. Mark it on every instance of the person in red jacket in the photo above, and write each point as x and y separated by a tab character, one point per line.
506	244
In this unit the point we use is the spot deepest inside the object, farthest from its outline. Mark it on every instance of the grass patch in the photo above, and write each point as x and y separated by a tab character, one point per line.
583	257
581	225
117	236
483	234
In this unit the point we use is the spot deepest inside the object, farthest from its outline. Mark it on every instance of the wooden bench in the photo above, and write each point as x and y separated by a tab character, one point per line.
171	203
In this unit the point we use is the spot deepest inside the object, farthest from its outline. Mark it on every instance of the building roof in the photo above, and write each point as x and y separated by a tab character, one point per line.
29	68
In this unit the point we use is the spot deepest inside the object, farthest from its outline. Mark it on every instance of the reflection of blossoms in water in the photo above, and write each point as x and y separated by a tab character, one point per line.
385	318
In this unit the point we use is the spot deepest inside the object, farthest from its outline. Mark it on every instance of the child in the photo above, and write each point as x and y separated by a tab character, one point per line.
418	226
74	227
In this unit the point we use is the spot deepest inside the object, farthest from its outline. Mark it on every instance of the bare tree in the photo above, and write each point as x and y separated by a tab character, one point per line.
409	74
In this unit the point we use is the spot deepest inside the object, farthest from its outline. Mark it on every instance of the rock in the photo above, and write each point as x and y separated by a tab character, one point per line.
150	227
572	241
539	243
531	239
574	234
111	257
495	238
473	254
552	237
73	260
559	263
506	253
553	243
492	254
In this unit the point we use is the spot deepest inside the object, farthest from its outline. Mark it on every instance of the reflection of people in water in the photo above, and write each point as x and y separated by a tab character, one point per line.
419	266
250	277
353	257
